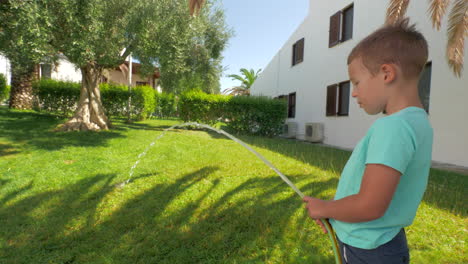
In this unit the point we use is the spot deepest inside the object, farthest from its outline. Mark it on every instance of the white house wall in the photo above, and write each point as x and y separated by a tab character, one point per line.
66	71
323	66
5	68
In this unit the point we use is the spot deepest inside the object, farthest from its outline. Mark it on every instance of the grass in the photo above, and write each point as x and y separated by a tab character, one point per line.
196	197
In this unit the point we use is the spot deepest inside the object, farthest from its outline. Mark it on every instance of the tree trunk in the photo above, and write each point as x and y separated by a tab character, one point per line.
21	94
89	114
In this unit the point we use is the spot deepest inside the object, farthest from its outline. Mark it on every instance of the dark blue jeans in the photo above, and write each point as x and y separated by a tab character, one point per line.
393	252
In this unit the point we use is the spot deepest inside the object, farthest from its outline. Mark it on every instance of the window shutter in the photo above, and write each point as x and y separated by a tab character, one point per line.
294	54
343	102
335	23
292	105
347	23
331	100
300	51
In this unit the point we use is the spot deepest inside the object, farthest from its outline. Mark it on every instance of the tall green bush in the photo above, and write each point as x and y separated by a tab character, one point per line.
201	107
245	114
114	99
166	105
143	101
256	115
4	88
60	97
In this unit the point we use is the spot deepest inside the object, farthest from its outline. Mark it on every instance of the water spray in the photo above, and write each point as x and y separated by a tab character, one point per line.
330	232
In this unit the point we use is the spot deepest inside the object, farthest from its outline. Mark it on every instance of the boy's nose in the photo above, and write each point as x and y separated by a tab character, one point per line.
354	93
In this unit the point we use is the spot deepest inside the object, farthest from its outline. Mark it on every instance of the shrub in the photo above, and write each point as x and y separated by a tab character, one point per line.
143	101
166	105
114	99
256	115
245	114
59	97
4	88
201	107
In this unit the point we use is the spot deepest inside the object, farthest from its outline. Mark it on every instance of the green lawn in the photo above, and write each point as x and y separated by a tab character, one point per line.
196	197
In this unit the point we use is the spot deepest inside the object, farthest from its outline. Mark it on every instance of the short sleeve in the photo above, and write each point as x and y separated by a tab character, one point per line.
391	143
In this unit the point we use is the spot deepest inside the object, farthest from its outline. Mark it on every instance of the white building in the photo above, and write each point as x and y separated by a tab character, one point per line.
5	68
64	70
311	70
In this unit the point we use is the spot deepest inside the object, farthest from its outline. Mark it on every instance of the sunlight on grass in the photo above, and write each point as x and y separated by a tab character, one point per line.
196	197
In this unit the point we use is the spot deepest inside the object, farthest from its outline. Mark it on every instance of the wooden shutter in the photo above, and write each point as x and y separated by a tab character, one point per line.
294	54
343	101
348	14
331	100
300	51
292	105
334	33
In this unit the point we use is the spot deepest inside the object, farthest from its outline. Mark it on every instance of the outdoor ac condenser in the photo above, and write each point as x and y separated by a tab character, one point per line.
289	130
314	132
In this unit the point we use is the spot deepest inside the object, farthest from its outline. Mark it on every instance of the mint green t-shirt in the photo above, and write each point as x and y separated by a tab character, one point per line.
402	141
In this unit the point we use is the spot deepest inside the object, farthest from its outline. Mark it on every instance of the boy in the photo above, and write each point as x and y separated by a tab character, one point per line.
384	180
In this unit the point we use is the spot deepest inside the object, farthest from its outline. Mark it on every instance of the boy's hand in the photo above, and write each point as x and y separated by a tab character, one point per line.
313	206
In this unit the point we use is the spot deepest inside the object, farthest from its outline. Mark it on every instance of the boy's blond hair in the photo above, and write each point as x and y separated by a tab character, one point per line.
399	44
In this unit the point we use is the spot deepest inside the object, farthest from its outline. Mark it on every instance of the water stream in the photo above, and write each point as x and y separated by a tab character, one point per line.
327	225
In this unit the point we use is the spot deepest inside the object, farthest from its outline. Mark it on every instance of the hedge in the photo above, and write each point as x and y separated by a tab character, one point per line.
61	97
166	105
245	114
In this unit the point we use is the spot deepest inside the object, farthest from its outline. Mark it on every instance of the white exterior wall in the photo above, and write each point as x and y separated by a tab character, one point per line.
66	71
5	68
323	66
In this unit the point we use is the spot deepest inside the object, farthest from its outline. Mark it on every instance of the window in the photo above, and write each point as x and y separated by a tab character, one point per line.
46	71
343	98
292	105
298	52
338	99
341	26
142	83
424	86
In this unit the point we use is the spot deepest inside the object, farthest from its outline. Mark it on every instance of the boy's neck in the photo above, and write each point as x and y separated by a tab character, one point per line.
404	96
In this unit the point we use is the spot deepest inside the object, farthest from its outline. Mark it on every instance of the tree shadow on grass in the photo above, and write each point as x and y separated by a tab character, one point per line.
168	223
36	129
446	190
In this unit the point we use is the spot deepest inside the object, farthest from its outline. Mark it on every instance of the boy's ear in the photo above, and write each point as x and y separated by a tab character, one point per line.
389	72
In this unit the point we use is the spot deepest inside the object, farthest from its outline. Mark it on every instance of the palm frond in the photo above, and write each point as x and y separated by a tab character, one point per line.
396	10
456	33
437	9
195	6
237	90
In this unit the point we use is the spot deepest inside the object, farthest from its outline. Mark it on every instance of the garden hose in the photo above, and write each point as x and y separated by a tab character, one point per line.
328	227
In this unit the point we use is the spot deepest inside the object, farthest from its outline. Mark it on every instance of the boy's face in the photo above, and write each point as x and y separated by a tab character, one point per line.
368	89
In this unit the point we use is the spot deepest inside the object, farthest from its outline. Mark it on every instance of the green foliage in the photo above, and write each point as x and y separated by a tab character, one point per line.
4	88
247	80
251	115
24	34
166	105
143	101
201	107
256	115
60	97
114	99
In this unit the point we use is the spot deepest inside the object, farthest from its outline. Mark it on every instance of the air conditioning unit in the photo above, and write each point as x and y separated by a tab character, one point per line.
289	130
314	132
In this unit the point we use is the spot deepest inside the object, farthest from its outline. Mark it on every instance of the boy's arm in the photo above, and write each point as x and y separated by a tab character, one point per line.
378	185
